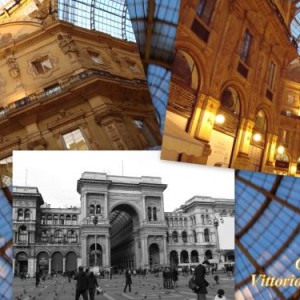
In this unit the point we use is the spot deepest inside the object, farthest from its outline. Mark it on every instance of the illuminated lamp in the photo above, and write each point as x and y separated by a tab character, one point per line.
257	137
220	119
280	150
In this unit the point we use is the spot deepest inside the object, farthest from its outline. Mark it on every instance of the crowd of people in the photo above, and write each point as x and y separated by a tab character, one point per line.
87	284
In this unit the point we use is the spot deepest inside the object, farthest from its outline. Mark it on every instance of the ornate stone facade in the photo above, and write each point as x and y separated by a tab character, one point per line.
121	223
232	67
49	66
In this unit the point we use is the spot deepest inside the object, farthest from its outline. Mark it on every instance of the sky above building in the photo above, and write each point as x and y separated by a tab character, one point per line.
55	174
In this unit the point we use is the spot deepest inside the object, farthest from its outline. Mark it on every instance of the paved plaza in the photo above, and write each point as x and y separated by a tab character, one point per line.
150	287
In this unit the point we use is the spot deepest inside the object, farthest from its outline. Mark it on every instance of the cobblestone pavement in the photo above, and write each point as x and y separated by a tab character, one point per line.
142	288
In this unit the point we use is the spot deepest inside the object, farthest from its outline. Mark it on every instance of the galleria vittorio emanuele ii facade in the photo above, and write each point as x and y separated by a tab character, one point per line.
120	224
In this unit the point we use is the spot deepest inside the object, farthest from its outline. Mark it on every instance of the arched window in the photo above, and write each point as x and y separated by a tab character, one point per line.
74	220
206	235
71	236
175	237
68	219
154	214
230	101
58	236
184	257
98	209
184	236
55	220
20	214
27	215
92	209
23	235
195	236
61	219
194	256
49	219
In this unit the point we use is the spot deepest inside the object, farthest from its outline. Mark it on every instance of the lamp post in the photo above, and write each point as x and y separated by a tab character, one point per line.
95	221
216	224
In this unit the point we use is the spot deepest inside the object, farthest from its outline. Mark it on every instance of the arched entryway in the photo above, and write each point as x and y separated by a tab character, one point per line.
71	262
96	255
208	254
42	263
124	221
21	263
154	255
57	263
194	256
174	259
184	257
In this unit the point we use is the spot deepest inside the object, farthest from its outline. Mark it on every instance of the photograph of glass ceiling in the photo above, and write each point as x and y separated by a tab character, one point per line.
295	24
267	227
151	24
5	244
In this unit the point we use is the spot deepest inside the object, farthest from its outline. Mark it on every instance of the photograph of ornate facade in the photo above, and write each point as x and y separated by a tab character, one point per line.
120	222
72	80
234	95
124	217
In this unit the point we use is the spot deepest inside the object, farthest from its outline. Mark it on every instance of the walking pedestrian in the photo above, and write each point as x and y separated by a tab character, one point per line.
128	280
201	290
175	277
93	284
82	284
37	279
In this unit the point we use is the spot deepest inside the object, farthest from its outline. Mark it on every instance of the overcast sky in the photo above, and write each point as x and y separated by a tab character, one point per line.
55	173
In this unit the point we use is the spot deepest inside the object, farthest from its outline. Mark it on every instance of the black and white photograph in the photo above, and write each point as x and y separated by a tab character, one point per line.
120	225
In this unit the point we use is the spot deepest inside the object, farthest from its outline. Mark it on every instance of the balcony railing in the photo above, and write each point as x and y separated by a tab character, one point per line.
62	87
289	114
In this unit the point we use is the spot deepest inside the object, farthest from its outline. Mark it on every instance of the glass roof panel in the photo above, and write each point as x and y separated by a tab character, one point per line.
5	239
271	238
108	16
6	4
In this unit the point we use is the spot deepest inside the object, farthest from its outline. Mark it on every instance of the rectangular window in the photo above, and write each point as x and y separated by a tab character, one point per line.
205	10
75	141
245	49
272	68
95	57
42	65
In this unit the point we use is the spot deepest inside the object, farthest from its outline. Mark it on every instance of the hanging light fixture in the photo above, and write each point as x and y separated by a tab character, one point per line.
280	150
220	119
257	137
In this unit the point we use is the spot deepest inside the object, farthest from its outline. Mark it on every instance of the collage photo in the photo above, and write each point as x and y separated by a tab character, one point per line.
149	149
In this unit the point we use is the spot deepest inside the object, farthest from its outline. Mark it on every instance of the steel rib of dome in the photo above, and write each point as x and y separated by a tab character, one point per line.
267	233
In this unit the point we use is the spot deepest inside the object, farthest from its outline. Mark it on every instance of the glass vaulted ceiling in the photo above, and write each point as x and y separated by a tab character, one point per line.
6	5
267	227
108	16
5	245
295	25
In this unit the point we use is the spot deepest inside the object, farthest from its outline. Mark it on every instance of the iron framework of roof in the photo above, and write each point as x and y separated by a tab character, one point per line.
267	232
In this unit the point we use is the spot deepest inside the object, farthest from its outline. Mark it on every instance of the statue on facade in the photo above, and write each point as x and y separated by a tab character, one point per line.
13	67
67	45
